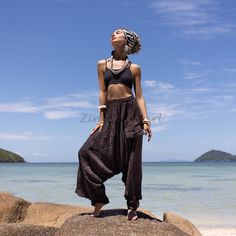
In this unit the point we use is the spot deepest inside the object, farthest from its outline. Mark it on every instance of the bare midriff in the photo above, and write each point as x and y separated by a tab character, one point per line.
118	91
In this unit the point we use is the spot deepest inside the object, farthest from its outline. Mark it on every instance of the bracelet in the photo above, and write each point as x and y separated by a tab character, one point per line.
147	122
102	106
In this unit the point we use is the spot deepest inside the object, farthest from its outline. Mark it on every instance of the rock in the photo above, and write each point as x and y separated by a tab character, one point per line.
21	218
16	229
12	209
114	223
147	212
181	223
51	214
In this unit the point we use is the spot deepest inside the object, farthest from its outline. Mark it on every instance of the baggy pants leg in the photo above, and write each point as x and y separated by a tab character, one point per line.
116	148
92	173
132	174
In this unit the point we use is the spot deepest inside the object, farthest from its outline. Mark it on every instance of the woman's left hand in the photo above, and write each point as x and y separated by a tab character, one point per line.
147	131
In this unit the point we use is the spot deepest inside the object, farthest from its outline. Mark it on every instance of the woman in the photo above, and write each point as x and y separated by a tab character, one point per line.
115	144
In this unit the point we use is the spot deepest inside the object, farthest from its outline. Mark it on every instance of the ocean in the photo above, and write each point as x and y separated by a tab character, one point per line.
204	193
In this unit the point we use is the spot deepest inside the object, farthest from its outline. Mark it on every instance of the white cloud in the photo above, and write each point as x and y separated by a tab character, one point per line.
201	90
226	97
21	107
185	12
61	107
158	84
22	136
69	104
191	76
229	71
150	83
37	154
198	18
56	115
165	86
80	100
159	128
189	100
188	61
196	75
210	30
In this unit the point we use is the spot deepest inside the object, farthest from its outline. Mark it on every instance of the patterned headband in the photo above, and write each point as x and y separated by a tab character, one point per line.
132	41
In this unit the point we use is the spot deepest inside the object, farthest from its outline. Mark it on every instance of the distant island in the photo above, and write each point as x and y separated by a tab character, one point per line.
7	156
216	156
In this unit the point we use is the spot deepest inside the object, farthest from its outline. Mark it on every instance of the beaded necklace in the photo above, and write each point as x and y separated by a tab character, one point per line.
121	69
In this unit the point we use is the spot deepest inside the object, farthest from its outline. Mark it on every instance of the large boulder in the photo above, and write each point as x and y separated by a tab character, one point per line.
12	209
16	229
21	218
51	214
182	223
114	223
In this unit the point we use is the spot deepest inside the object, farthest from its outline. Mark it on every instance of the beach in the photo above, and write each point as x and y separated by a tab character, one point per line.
202	193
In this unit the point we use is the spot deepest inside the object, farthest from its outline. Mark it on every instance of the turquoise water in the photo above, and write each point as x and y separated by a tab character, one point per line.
203	193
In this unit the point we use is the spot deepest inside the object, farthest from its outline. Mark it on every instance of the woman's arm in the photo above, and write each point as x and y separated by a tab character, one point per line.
102	94
102	89
136	72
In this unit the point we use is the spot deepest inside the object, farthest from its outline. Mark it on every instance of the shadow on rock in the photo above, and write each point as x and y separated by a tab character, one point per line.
120	212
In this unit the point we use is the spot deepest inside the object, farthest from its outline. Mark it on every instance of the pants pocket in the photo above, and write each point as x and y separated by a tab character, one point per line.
133	128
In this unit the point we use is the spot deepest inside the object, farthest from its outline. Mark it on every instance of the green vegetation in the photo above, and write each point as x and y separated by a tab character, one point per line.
216	156
7	156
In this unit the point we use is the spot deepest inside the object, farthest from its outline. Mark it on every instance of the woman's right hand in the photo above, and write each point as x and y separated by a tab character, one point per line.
98	127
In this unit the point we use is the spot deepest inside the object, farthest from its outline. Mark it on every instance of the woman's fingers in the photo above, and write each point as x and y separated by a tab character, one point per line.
98	127
149	134
94	130
147	131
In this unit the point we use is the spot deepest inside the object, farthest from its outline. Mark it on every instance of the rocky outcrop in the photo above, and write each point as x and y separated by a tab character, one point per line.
51	214
16	229
7	156
19	217
12	209
216	156
114	223
181	223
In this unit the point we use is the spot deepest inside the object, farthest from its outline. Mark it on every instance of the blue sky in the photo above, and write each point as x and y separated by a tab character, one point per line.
49	86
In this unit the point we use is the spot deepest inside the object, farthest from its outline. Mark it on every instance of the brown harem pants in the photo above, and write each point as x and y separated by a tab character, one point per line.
117	148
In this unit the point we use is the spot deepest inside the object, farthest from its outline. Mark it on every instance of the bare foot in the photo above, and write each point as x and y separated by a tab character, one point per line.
97	209
132	215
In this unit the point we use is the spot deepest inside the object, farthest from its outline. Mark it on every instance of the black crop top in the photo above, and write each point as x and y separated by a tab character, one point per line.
125	77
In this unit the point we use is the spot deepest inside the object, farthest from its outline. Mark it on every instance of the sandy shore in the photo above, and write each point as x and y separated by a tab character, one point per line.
218	231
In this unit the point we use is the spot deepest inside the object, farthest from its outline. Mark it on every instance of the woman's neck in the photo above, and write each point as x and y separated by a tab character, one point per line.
119	55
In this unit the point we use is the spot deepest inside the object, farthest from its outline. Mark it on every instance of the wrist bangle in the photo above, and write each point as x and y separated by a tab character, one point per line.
146	121
101	107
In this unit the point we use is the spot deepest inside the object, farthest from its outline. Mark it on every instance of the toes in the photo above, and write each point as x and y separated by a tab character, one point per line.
132	215
94	215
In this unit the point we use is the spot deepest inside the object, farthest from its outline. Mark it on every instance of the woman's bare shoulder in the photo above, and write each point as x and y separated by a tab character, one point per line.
135	66
135	69
101	62
101	65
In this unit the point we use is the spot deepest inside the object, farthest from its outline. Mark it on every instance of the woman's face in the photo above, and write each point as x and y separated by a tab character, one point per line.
118	39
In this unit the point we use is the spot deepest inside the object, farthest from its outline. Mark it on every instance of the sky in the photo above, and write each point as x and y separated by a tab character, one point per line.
48	74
